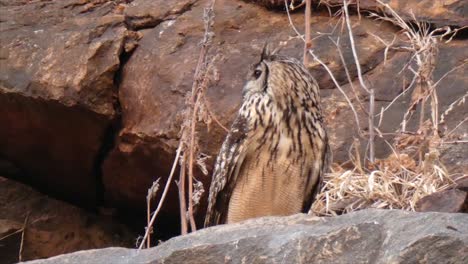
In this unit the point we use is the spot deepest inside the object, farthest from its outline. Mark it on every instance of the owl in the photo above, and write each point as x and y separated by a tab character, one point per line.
273	158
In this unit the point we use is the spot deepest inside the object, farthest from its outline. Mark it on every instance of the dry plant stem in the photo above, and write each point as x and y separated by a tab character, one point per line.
348	76
148	219
363	85
291	22
326	68
163	196
457	126
371	126
208	109
190	174
23	234
308	42
182	203
356	117
196	97
9	235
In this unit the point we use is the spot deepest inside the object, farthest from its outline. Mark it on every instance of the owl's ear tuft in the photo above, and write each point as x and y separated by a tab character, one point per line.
266	52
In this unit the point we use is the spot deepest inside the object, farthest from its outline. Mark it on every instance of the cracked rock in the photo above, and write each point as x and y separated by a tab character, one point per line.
367	236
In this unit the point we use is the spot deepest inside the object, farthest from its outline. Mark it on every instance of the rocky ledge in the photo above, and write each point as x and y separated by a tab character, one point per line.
368	236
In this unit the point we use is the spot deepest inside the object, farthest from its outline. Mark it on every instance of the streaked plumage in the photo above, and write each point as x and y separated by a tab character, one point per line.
272	159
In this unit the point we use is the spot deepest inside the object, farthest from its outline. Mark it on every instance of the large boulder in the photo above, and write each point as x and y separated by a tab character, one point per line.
57	91
390	79
83	117
368	236
33	225
438	13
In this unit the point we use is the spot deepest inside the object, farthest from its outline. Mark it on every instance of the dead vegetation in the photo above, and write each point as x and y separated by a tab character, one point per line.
188	155
414	169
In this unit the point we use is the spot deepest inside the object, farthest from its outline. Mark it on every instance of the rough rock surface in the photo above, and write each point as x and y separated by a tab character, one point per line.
51	227
450	201
438	13
368	236
389	81
57	91
63	69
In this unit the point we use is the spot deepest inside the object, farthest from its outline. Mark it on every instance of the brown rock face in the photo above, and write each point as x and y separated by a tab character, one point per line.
389	81
51	227
150	13
449	201
57	91
63	68
439	13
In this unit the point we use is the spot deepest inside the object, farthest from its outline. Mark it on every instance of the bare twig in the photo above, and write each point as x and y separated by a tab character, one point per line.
353	47
457	126
208	109
455	142
371	126
190	166
363	85
163	196
348	76
152	191
308	42
23	234
291	22
182	203
356	117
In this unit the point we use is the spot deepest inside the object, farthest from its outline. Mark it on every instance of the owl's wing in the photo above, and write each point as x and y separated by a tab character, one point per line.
327	158
225	173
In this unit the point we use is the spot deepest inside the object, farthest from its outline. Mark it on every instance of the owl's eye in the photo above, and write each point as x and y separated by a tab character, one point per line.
257	73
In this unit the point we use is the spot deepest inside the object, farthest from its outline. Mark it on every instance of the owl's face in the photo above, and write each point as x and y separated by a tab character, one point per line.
257	79
282	82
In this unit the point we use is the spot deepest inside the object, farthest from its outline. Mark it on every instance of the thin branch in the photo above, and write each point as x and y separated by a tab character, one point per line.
457	126
450	71
337	86
163	196
291	22
182	203
208	109
353	46
308	42
455	142
363	85
348	76
190	166
23	234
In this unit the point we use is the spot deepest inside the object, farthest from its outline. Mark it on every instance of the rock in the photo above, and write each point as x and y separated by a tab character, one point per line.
57	91
157	77
449	201
272	4
368	236
149	13
52	227
389	81
438	13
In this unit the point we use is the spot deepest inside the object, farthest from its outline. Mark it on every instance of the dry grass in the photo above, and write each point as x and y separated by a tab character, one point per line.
396	182
414	169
